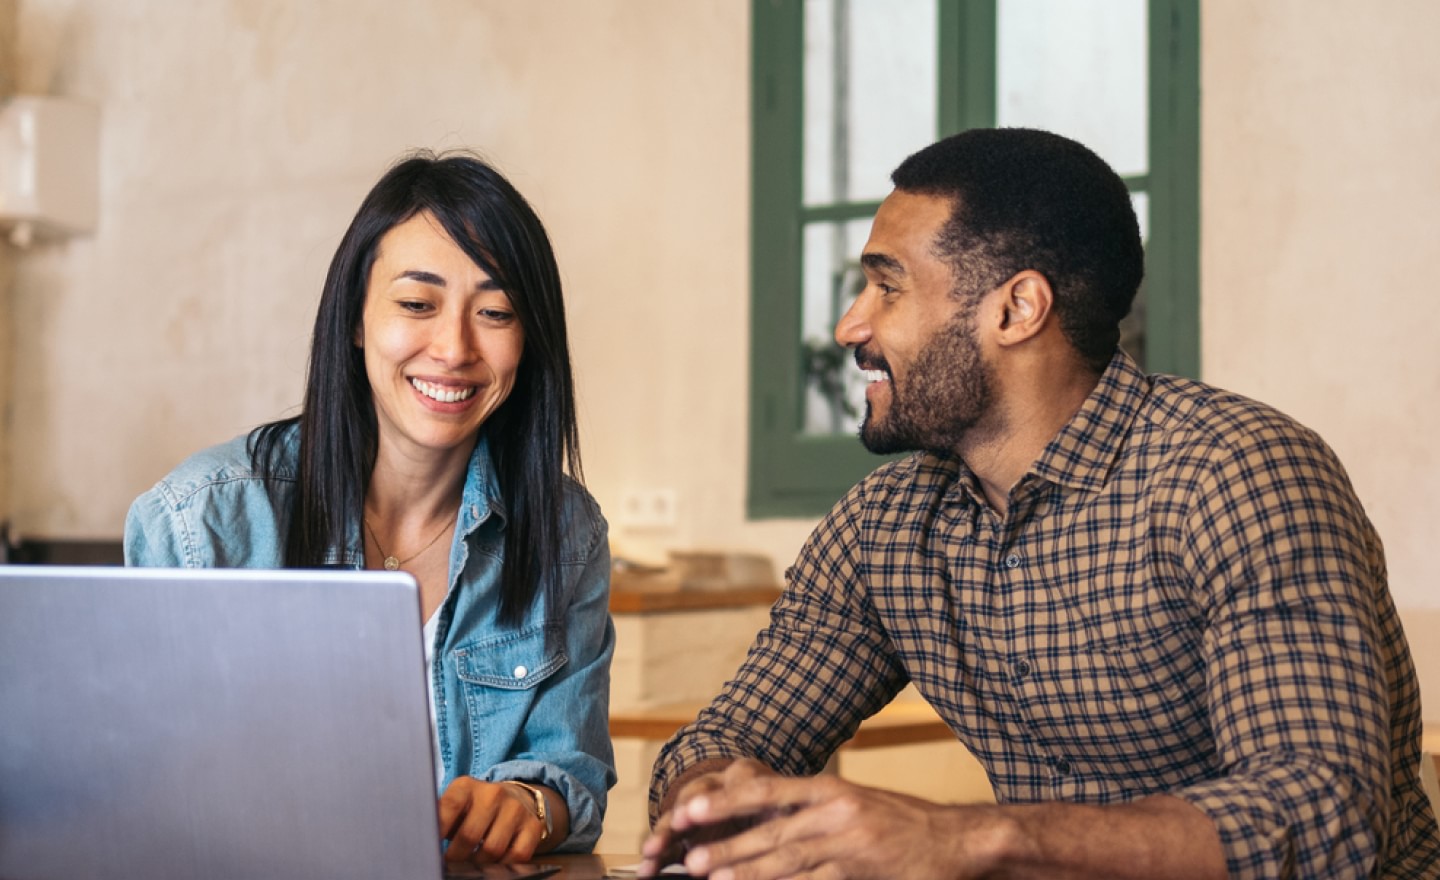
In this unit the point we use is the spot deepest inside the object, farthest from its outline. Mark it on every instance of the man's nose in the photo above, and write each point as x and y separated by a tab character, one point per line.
853	328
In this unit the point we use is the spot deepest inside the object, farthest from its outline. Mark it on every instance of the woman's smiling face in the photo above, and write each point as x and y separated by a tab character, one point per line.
442	342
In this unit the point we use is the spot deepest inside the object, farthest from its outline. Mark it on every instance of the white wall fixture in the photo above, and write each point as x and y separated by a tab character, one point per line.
49	167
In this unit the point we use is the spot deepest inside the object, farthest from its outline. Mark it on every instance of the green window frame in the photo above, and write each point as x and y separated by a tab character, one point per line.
796	474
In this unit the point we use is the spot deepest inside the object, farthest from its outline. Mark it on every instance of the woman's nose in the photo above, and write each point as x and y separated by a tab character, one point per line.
454	339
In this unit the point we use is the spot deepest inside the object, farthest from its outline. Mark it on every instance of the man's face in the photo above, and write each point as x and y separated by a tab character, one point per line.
914	336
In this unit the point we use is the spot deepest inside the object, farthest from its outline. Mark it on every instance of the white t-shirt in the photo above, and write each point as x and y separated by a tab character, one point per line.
428	635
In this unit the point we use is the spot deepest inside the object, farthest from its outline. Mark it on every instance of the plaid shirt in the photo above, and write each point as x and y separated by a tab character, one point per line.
1185	596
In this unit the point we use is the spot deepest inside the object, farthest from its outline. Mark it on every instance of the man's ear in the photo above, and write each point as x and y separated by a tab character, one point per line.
1027	301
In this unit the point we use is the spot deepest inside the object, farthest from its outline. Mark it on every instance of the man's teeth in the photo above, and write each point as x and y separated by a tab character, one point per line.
874	375
444	395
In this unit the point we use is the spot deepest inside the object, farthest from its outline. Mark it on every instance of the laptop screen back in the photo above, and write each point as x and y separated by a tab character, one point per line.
216	723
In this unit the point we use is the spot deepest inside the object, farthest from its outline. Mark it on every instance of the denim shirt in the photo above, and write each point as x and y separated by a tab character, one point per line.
528	703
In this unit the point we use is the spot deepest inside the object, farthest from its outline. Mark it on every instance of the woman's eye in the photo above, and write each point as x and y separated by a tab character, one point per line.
498	315
410	305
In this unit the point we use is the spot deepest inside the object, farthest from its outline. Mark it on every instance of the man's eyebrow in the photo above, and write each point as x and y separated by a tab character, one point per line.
882	262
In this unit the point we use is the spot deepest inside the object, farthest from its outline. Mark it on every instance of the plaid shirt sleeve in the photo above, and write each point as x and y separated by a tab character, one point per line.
1287	569
824	649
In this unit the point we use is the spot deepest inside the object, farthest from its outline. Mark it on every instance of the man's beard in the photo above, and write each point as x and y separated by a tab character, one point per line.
948	390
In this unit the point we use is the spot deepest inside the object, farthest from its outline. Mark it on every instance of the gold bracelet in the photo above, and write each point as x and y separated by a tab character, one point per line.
542	811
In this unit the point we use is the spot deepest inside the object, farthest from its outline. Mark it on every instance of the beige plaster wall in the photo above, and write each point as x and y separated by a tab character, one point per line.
239	137
1321	200
1321	197
9	42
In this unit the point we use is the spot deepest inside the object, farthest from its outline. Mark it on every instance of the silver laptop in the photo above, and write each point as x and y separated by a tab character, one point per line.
221	724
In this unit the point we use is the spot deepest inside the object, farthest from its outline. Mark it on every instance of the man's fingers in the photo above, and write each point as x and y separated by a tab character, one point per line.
750	799
806	829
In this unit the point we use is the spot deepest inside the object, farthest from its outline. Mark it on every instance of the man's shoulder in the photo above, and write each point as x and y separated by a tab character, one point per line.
918	472
1189	412
896	490
1196	435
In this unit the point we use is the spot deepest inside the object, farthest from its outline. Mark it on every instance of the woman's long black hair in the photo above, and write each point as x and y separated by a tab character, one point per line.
533	436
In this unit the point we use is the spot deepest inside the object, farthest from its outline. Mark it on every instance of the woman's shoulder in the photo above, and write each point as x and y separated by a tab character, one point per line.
584	523
215	509
223	464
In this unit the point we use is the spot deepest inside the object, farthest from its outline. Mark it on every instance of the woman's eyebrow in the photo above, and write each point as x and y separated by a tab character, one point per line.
425	276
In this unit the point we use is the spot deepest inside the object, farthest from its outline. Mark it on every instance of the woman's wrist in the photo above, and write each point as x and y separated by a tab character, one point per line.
536	798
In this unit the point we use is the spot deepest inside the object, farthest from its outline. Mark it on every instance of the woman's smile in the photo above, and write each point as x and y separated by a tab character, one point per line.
443	393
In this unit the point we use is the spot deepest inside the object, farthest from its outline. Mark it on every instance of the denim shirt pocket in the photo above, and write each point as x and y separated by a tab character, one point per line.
500	674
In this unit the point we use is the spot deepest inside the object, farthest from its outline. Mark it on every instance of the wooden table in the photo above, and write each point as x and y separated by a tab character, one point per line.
587	867
898	724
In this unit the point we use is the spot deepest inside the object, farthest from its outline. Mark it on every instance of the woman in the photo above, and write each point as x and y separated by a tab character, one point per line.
439	413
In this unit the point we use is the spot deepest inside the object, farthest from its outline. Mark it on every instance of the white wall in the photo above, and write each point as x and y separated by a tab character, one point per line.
240	136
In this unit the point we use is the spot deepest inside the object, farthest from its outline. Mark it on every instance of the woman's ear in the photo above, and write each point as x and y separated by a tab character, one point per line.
1027	301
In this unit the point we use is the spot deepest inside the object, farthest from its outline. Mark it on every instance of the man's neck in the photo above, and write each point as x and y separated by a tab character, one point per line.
1038	408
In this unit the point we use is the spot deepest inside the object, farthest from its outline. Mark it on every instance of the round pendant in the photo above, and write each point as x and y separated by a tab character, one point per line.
391	563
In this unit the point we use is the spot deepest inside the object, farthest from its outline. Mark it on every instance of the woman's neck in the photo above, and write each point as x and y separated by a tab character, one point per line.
415	489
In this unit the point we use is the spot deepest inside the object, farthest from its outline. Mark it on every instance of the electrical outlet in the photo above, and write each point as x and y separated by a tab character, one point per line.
648	508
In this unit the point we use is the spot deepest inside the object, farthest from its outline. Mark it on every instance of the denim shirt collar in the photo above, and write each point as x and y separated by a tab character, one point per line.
478	501
481	495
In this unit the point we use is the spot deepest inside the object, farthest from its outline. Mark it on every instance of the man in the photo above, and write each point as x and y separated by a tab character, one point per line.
1154	610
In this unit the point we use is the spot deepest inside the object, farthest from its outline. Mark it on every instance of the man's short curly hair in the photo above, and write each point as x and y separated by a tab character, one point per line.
1027	199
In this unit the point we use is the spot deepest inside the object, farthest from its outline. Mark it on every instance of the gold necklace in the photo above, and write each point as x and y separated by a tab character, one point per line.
391	563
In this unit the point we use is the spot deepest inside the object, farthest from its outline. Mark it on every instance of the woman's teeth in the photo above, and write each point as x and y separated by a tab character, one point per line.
444	395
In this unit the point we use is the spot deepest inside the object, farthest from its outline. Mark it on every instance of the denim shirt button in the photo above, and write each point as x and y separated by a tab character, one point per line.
521	671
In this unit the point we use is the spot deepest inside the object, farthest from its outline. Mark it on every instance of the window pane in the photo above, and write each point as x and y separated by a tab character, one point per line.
1132	328
834	397
1079	68
870	94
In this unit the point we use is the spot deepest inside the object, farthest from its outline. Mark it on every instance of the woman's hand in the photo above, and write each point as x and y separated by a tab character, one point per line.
488	822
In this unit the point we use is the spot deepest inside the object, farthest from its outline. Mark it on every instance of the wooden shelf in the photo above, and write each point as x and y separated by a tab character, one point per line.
896	725
624	601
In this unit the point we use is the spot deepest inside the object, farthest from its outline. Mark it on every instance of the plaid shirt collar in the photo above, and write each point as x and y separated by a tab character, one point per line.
1084	452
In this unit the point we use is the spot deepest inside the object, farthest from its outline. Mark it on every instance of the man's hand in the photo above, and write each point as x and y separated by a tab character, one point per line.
748	823
487	822
666	846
